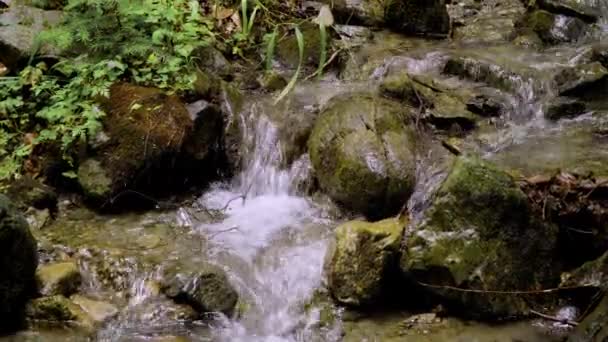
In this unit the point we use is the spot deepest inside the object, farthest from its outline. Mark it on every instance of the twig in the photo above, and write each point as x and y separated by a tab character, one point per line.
551	290
555	319
579	230
451	147
232	200
331	59
211	236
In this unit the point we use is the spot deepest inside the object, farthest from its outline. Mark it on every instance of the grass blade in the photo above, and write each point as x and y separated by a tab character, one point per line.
323	47
252	19
270	47
294	78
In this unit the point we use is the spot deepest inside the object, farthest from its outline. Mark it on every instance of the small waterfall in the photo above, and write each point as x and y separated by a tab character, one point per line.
272	241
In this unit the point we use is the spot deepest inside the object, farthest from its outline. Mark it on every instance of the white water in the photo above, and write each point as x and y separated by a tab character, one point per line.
272	244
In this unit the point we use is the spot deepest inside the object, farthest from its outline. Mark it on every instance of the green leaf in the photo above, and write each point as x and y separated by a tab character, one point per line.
294	78
70	175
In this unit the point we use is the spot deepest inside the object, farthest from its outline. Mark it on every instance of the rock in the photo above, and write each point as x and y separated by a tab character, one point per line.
570	8
499	74
272	81
94	179
20	25
362	152
404	16
480	233
600	54
18	262
232	140
206	291
98	311
287	51
58	309
29	192
363	258
490	23
213	61
594	327
592	273
443	105
552	28
485	105
58	279
147	152
578	80
564	107
427	17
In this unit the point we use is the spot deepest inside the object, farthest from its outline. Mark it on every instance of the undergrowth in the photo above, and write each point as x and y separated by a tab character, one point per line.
145	42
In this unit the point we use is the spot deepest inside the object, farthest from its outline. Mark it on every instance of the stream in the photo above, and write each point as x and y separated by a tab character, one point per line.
271	237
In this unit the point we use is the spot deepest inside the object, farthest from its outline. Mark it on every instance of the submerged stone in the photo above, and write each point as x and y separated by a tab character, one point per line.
98	311
479	233
206	291
18	262
578	80
362	152
62	278
59	310
362	259
564	107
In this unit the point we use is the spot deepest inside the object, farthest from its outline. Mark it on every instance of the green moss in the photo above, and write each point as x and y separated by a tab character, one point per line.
363	255
480	232
362	152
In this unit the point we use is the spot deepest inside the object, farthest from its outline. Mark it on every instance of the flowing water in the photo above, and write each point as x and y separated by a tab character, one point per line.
271	238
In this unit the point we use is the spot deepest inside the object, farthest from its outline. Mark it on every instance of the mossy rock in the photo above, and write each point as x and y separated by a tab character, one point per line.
288	53
58	310
445	106
98	311
363	256
362	151
573	8
582	79
552	28
18	262
62	278
207	290
153	145
480	233
405	16
29	192
20	26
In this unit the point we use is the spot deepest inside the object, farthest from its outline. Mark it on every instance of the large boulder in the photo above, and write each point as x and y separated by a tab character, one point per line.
552	28
20	26
207	290
427	17
146	146
18	262
362	259
480	233
362	151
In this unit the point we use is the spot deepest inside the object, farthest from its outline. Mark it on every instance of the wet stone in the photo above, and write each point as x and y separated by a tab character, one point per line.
59	279
564	107
99	311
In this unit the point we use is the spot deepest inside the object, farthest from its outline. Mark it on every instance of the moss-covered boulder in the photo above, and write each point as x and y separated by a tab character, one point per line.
552	28
362	152
574	8
61	278
479	233
362	259
29	192
207	290
581	79
152	145
20	25
564	107
58	310
18	262
406	16
287	50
